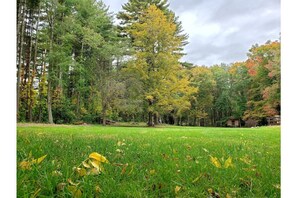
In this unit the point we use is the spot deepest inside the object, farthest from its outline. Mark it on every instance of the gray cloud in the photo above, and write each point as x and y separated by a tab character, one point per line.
222	31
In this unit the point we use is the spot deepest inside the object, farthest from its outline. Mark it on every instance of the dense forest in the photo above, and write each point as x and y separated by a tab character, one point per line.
75	64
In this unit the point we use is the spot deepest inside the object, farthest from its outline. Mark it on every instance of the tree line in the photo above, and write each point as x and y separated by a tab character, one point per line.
74	64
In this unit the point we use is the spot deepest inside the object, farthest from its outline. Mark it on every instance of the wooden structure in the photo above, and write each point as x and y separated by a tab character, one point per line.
251	122
274	120
232	122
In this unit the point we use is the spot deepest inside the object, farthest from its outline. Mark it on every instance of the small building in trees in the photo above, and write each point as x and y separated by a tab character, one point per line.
233	122
274	120
250	122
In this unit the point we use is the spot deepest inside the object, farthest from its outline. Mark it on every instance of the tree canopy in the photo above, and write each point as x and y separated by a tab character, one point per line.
75	65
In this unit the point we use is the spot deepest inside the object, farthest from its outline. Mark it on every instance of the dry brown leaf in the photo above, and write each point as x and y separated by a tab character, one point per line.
124	169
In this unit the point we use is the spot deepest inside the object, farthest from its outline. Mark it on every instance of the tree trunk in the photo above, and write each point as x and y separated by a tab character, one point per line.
20	38
49	94
150	115
34	67
40	90
156	120
150	119
49	103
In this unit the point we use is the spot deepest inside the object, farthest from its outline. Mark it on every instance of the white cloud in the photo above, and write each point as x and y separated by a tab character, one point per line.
222	30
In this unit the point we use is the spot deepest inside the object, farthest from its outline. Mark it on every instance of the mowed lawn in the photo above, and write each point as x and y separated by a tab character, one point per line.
149	162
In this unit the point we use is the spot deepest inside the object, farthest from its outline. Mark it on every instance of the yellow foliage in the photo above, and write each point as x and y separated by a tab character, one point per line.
26	164
98	157
177	189
215	162
228	163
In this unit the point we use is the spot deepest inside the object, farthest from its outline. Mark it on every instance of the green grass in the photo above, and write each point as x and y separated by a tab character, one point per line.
159	159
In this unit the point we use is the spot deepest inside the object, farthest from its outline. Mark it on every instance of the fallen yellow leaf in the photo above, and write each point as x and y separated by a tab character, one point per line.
152	172
25	165
82	171
177	189
36	193
228	163
197	178
76	193
96	164
215	162
98	157
98	189
85	164
72	183
39	160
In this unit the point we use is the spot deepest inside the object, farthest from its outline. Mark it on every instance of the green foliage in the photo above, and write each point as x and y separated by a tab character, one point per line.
75	64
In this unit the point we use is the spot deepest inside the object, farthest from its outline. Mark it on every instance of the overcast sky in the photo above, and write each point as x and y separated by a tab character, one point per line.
222	31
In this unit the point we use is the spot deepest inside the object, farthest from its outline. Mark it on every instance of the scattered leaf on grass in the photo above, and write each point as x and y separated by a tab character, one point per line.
35	193
39	160
228	163
277	186
94	171
177	189
165	156
197	178
246	183
213	194
98	157
246	160
119	151
98	189
96	164
60	187
124	169
189	158
72	183
152	172
228	196
56	173
25	165
76	193
81	171
85	164
215	162
205	150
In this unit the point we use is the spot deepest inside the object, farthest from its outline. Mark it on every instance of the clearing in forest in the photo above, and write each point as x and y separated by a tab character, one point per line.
96	161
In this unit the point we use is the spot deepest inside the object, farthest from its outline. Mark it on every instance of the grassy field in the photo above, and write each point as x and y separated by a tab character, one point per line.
149	162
